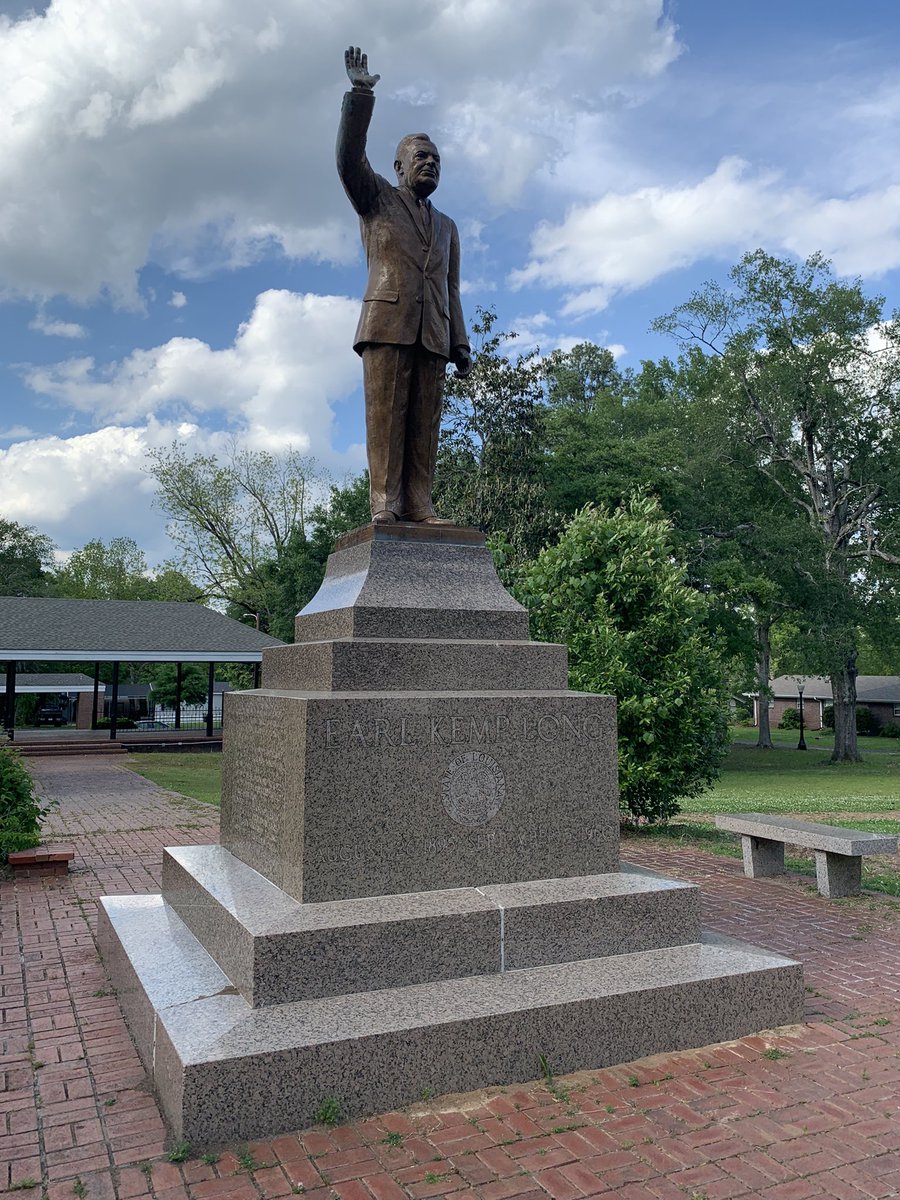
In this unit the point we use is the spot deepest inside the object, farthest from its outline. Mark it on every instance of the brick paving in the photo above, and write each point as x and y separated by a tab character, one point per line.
811	1110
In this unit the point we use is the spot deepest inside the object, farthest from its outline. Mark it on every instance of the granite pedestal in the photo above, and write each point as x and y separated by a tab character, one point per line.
418	883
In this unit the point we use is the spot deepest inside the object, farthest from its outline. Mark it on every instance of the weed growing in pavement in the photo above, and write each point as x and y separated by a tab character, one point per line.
24	1185
329	1111
79	1190
633	1081
774	1053
179	1153
209	1159
109	1102
393	1139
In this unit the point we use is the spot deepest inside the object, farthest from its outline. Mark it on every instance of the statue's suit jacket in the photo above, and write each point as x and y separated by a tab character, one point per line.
413	270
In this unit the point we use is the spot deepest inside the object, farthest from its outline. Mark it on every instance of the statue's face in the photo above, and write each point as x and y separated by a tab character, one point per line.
419	167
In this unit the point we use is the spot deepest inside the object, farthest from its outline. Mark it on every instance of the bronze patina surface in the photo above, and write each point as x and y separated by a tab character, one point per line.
411	324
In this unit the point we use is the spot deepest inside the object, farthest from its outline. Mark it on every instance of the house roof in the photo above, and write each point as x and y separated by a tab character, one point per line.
47	629
48	681
870	689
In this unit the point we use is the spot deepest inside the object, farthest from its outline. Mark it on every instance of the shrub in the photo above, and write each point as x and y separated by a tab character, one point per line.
865	719
890	731
791	719
613	590
21	812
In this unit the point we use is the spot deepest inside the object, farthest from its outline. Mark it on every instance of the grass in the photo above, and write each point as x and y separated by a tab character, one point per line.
191	774
816	739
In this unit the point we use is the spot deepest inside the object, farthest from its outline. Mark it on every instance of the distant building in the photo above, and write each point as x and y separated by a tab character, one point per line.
879	693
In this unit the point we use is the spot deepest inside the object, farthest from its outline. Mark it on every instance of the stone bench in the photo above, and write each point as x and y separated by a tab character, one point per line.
838	851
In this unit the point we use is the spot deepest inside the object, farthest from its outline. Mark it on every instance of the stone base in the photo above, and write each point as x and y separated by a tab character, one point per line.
838	875
225	1071
276	950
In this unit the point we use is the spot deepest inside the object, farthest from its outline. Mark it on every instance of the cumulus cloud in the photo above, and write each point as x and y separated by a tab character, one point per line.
624	241
66	329
275	384
178	300
200	135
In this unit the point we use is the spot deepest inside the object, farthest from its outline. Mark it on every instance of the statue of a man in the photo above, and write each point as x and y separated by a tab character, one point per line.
411	323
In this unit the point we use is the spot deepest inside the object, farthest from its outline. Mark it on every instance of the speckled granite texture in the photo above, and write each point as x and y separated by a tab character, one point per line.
276	950
810	834
379	664
392	587
338	795
225	1071
418	884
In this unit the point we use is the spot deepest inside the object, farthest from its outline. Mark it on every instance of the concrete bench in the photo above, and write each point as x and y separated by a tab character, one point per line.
838	851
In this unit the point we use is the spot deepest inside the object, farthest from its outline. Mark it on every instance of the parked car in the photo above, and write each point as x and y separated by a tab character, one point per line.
150	725
51	714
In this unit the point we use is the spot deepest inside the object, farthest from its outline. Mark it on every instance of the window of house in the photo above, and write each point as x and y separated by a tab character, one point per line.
897	710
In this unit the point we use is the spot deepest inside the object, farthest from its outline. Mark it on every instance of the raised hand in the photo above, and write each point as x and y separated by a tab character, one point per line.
357	65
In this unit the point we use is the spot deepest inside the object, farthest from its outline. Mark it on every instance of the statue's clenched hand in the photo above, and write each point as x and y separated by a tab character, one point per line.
357	65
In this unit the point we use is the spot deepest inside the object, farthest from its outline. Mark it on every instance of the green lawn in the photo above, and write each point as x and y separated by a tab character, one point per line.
198	775
817	739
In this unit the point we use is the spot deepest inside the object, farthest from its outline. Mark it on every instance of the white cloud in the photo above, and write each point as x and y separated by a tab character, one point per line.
202	134
624	241
66	329
178	300
288	363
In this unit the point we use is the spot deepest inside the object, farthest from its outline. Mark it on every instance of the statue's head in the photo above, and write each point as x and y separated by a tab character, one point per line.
418	164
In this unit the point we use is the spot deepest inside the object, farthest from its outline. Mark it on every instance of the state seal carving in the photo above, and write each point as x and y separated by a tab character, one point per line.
473	789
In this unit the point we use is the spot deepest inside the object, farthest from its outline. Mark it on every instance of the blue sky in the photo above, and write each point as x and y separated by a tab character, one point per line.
178	260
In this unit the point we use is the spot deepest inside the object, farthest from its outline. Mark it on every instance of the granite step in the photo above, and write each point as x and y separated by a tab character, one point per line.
225	1071
408	664
276	949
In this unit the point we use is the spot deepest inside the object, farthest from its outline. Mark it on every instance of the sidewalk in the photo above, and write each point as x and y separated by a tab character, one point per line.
813	1110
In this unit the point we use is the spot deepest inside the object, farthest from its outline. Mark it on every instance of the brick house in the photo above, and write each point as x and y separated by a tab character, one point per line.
880	693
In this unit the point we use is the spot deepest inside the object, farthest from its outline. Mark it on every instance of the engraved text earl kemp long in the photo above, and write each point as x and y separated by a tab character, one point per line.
417	731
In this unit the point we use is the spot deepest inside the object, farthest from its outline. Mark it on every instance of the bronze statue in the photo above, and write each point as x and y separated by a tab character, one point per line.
411	323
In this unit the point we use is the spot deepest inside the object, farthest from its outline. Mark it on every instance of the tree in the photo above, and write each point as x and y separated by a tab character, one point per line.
809	374
164	678
237	522
25	559
491	457
613	591
117	571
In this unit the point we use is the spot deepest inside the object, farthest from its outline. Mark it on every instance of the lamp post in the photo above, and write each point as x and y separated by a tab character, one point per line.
801	745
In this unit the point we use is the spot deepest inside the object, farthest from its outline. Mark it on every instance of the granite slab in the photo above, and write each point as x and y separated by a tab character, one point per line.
425	664
276	950
225	1071
810	834
339	795
396	587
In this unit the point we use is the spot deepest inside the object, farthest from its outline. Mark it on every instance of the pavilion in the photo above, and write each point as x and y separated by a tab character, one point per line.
39	629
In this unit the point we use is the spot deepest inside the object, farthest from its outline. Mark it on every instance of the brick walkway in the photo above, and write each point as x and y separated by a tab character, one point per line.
812	1110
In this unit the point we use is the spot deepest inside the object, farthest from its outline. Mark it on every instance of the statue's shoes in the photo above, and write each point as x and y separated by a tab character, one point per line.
385	517
433	520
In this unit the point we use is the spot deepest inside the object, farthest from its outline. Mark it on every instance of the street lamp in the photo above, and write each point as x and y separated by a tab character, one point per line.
801	745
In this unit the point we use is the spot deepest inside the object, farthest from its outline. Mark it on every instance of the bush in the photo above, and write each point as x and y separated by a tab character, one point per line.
890	731
21	812
865	720
613	591
790	719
